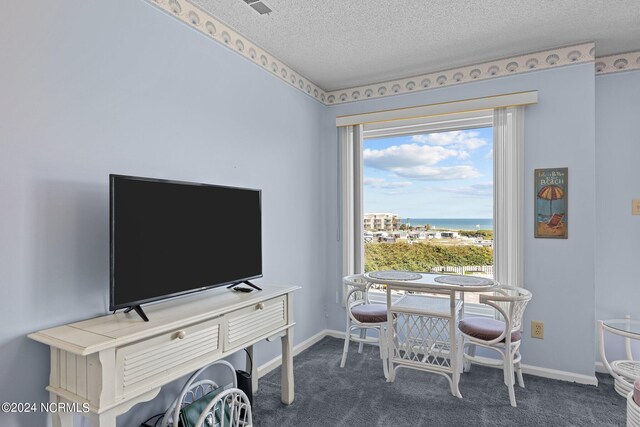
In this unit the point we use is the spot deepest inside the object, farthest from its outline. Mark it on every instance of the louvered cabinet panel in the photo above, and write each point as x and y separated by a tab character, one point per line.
73	373
246	324
171	355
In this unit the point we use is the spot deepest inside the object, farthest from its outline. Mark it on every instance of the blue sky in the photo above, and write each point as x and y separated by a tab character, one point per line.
438	175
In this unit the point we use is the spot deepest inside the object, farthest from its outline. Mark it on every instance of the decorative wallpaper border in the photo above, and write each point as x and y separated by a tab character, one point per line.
535	61
215	29
618	63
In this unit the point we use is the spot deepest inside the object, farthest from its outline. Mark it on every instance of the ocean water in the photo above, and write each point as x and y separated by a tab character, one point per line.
452	223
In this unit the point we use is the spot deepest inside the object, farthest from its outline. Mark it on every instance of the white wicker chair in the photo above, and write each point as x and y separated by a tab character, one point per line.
363	315
231	408
193	390
501	336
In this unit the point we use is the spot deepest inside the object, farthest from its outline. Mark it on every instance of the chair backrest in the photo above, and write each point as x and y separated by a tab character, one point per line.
231	408
356	288
355	280
511	302
193	390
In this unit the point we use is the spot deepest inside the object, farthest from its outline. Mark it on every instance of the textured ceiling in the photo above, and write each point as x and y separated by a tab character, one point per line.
339	44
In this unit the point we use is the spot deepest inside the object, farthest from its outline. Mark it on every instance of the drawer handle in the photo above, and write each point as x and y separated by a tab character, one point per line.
260	306
181	334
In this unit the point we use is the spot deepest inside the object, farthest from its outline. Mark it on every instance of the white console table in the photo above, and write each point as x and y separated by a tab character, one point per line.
116	361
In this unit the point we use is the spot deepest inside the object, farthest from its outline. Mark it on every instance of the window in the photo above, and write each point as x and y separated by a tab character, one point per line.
428	197
504	113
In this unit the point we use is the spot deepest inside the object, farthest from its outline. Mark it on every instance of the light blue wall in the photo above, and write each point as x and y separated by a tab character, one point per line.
617	183
559	132
118	87
89	88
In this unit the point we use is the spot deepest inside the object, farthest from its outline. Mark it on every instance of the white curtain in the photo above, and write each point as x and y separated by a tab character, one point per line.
508	210
351	188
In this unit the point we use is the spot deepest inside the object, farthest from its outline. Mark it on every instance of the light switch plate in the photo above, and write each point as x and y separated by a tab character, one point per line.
635	207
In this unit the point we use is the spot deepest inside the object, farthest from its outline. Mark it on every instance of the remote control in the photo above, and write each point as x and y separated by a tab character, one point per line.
243	289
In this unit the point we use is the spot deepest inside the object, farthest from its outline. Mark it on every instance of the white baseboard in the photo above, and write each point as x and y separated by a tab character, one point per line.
600	368
556	374
335	334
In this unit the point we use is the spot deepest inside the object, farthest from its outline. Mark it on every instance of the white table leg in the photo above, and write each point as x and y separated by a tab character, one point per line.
454	346
392	344
60	418
286	381
105	419
603	355
389	339
254	368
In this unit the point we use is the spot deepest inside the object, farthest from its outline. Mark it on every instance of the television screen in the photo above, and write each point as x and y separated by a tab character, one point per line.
170	238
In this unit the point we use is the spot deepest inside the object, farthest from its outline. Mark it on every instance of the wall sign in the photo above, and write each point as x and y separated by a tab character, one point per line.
551	203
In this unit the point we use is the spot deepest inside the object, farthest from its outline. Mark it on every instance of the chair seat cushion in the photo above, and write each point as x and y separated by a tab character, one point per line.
370	313
485	328
636	391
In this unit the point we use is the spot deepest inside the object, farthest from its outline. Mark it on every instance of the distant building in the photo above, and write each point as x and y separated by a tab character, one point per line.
449	234
381	221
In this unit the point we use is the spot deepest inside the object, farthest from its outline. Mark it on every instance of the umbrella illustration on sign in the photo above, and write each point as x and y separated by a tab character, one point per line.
551	193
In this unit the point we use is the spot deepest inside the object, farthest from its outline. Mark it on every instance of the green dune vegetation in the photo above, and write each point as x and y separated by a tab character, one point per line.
423	256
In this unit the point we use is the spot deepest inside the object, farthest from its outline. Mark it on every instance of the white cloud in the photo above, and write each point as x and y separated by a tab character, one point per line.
407	155
404	191
457	139
382	183
489	155
442	173
476	190
419	160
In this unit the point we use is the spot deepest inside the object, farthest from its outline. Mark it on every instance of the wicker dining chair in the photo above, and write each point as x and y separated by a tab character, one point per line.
501	336
363	315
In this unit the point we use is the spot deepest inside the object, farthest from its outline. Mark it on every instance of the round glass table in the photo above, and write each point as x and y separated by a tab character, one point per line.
625	325
624	371
422	331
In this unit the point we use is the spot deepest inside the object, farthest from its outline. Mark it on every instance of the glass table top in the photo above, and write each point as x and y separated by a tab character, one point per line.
624	325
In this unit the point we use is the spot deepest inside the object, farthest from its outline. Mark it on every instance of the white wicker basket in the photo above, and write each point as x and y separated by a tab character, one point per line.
633	411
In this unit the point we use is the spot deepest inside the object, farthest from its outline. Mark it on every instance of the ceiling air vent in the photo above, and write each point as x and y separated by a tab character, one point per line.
259	6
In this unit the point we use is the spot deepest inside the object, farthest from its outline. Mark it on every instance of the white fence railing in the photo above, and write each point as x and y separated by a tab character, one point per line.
462	269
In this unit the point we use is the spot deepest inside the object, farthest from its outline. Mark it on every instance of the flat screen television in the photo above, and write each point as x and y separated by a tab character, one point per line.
170	238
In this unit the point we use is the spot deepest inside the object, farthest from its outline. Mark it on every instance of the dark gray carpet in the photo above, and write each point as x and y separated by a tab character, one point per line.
326	395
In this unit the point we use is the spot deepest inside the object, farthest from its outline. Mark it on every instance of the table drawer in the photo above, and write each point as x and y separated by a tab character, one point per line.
171	354
248	323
